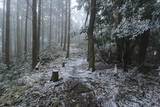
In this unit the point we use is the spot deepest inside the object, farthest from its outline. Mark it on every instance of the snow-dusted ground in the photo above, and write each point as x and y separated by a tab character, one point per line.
79	87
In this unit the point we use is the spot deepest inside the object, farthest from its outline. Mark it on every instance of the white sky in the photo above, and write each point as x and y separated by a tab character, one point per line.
1	4
78	16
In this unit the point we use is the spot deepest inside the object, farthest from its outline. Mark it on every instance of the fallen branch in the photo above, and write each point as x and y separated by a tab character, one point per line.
102	60
37	66
72	88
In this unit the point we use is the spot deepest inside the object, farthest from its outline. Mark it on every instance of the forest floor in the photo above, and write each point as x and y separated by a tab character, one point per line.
79	87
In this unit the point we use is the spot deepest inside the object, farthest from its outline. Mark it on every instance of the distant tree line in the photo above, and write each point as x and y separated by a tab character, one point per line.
30	26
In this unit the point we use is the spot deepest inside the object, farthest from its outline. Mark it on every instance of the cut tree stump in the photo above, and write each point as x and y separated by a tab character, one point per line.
55	76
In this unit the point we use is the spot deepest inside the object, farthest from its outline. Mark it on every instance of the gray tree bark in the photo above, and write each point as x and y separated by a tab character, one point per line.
3	32
18	33
26	30
69	26
62	22
39	27
91	36
50	32
66	14
34	34
7	38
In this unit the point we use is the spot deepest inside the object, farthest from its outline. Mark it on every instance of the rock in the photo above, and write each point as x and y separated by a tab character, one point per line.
26	80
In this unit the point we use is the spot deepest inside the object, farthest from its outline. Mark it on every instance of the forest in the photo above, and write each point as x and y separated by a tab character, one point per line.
79	53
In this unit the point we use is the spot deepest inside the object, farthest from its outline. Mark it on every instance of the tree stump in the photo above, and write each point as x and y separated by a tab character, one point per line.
55	76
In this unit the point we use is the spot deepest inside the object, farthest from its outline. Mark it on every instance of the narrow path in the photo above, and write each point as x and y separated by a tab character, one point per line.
103	86
76	65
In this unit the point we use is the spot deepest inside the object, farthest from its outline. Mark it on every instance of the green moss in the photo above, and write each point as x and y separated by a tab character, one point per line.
56	103
14	96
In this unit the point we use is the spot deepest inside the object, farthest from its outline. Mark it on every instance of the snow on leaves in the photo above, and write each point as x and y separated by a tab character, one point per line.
131	27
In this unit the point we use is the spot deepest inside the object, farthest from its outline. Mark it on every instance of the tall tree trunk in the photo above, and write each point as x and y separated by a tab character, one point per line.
125	52
50	32
144	38
39	27
26	30
119	41
42	27
7	40
143	44
59	24
65	36
62	22
21	33
69	25
34	34
91	36
3	32
18	33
